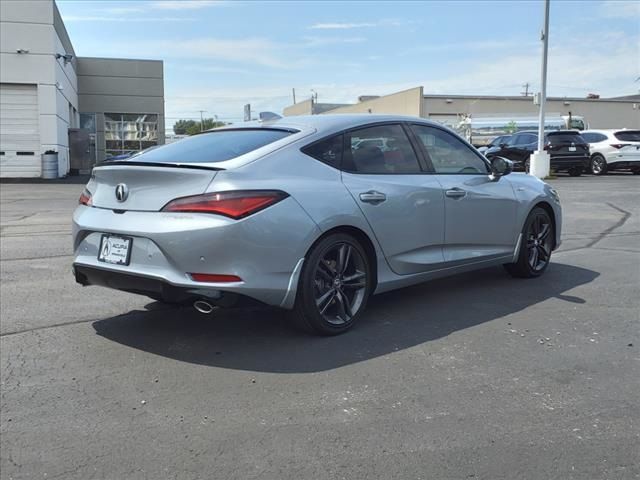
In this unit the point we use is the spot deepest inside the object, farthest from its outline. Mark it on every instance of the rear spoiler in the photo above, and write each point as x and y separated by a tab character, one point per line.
195	166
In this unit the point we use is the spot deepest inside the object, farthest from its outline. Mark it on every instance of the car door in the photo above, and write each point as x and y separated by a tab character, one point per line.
403	205
480	212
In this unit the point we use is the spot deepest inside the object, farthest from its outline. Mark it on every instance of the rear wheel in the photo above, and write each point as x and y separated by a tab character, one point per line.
536	245
575	171
636	172
334	286
598	165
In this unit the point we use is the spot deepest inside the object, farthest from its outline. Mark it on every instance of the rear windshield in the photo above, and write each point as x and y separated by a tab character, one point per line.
628	136
216	146
564	137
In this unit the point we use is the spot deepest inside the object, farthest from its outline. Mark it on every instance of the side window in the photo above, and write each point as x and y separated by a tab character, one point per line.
588	137
448	154
328	151
599	137
379	149
523	139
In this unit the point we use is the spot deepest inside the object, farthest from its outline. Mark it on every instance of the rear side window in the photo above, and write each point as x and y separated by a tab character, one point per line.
561	137
381	149
216	146
594	137
328	151
628	136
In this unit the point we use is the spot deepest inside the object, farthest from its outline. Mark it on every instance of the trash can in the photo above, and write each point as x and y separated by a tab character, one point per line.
50	164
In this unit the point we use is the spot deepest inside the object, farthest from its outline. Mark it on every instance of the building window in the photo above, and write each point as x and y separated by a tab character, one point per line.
129	132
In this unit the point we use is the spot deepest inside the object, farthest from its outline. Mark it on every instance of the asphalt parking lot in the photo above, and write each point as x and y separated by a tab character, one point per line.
478	376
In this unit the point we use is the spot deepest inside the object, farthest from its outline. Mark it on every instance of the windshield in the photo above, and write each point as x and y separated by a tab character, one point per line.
215	146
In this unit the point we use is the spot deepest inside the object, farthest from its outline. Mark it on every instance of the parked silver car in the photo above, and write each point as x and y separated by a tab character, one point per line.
305	214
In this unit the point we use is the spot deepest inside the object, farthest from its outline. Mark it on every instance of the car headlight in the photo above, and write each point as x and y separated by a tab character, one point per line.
554	194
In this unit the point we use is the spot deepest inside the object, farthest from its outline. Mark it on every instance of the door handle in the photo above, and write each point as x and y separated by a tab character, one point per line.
455	193
372	197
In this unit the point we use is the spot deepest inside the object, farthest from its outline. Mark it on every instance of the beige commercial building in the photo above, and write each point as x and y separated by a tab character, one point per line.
450	109
85	109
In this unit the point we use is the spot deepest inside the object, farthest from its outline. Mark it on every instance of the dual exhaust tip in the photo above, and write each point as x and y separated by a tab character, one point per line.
204	307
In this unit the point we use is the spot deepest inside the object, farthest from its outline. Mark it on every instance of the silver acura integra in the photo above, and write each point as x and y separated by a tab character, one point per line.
312	214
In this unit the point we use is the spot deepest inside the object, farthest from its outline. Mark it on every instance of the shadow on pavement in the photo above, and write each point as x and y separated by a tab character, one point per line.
260	340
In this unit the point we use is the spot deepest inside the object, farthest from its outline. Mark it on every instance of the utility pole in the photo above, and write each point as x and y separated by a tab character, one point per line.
201	120
294	95
526	90
540	160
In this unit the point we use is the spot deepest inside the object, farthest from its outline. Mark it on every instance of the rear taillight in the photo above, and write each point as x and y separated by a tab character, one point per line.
85	198
236	205
619	145
547	146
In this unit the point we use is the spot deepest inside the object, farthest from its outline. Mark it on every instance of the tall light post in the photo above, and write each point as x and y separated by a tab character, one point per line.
201	120
540	159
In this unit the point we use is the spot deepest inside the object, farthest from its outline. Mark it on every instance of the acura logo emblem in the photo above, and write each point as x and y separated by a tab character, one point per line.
122	192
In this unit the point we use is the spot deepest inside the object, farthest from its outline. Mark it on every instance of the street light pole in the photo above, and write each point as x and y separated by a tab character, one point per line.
201	120
540	160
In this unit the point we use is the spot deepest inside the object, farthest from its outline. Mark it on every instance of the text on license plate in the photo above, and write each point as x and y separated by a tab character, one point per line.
572	149
114	249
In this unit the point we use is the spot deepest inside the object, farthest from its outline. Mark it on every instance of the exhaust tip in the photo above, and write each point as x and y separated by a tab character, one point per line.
203	306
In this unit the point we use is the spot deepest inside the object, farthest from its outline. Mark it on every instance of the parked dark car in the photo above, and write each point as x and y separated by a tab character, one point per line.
568	150
496	142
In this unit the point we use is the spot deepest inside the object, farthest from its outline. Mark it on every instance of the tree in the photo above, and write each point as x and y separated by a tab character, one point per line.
191	127
512	127
181	126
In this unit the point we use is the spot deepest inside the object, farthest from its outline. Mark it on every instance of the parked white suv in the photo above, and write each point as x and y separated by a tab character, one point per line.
613	150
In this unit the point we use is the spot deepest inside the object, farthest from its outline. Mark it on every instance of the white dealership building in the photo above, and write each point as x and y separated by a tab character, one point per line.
52	100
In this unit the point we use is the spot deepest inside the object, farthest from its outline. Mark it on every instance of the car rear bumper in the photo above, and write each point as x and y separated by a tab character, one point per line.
264	250
157	288
623	164
567	162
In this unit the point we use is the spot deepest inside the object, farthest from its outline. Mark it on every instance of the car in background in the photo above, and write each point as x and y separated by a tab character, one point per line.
309	214
567	148
496	142
613	149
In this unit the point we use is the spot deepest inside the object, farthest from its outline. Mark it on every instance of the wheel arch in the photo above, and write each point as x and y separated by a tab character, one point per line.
546	206
363	239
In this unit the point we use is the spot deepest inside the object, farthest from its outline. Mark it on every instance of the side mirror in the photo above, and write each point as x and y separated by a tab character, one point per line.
500	167
503	144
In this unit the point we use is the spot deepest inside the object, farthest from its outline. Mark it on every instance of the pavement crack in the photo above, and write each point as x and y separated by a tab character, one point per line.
606	232
45	327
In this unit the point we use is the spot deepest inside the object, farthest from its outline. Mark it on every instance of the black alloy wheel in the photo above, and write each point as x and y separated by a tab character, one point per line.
334	286
536	244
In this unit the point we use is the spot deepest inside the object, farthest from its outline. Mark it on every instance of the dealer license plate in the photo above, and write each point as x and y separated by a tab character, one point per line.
114	249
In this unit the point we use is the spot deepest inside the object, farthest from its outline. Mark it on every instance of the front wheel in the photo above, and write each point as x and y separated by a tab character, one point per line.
598	165
575	172
334	286
535	247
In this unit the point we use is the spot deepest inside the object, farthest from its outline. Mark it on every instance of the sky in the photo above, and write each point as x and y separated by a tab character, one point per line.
221	54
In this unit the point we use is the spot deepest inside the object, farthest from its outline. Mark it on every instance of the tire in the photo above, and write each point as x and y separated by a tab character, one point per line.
527	165
575	172
636	172
331	298
598	165
537	235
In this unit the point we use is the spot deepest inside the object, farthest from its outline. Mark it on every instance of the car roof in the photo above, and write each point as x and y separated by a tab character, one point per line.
535	132
329	122
610	130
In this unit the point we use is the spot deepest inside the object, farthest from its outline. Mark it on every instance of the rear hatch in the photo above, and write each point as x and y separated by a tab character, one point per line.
151	179
145	187
566	144
629	144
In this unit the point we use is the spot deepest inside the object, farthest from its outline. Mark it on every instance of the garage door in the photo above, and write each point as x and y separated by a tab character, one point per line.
19	137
